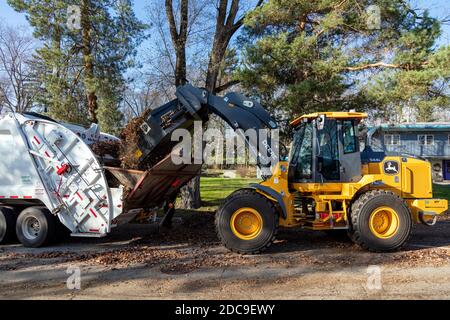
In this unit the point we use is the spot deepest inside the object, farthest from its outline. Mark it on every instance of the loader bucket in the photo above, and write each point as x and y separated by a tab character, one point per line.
146	189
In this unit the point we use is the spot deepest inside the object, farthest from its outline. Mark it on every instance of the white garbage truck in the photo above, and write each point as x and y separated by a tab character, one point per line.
52	182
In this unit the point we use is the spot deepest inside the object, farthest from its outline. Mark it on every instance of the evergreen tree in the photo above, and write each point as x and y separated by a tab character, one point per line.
85	54
339	55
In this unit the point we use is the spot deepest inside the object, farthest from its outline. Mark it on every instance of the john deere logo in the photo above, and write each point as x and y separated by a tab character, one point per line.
390	167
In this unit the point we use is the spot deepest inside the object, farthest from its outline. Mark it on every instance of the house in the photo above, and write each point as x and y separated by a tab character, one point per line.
429	140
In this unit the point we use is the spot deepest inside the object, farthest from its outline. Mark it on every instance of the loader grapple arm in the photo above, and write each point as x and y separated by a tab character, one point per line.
195	104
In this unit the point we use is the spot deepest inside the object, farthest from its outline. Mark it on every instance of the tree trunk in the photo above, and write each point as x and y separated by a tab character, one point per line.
190	194
56	47
180	67
179	38
214	66
89	78
226	27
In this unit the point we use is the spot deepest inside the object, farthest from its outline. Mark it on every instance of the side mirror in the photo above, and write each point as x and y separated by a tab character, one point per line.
320	122
284	153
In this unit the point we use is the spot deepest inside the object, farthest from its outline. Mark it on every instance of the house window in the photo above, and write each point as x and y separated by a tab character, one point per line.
392	139
425	139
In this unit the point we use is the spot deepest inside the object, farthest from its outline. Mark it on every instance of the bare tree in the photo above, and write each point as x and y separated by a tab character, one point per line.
182	36
18	85
139	96
190	195
179	38
200	32
227	23
184	33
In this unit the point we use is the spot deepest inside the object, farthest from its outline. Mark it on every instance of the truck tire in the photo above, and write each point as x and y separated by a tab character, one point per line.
35	227
380	221
8	218
247	222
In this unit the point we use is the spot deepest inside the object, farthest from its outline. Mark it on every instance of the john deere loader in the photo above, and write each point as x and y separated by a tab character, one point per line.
329	184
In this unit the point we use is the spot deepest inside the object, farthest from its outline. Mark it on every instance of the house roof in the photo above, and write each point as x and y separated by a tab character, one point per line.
417	126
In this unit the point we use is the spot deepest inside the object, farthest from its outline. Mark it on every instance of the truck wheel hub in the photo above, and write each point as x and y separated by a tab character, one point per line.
384	222
246	223
31	228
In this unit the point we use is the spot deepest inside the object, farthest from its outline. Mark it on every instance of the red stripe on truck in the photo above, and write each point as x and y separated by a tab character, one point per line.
79	196
93	212
27	197
14	197
36	139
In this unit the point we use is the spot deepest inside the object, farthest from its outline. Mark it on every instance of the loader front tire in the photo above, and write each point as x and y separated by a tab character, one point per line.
380	221
36	227
8	218
247	222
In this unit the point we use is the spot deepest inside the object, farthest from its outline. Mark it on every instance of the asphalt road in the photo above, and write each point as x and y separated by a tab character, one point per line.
187	262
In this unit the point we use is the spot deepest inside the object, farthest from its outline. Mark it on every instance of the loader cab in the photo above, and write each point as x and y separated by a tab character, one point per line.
325	148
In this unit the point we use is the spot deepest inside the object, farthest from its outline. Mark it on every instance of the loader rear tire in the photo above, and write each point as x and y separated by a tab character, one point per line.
36	227
380	221
247	222
8	218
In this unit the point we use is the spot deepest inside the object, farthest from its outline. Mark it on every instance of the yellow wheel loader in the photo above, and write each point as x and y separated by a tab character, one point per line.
329	184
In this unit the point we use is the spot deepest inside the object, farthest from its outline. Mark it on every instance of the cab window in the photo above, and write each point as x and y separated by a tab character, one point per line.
301	156
349	136
328	156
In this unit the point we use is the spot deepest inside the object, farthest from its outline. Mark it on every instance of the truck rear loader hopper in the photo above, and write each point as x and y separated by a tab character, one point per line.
51	180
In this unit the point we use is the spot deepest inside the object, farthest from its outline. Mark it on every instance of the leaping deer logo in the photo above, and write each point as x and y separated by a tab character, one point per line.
391	167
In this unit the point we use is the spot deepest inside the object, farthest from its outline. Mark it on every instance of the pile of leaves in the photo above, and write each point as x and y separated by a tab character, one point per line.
103	148
129	152
428	256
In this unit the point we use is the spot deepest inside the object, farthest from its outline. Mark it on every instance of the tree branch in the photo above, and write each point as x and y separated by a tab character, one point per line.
226	85
373	65
183	21
171	19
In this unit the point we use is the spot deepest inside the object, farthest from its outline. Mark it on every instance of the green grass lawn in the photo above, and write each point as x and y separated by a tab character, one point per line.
441	191
214	190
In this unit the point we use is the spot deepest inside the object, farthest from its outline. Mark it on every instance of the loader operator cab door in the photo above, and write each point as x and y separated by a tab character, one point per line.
349	155
325	149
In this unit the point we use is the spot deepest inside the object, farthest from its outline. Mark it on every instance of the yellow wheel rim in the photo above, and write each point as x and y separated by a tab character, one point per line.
246	223
384	222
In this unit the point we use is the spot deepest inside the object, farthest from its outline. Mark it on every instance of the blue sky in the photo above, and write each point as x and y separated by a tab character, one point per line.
437	8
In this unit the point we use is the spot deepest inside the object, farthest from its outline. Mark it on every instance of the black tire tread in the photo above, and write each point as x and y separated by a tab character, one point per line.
355	233
51	227
246	193
10	217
